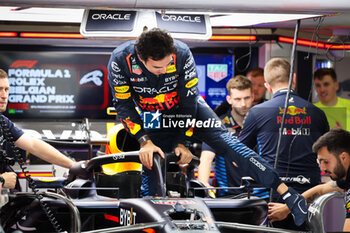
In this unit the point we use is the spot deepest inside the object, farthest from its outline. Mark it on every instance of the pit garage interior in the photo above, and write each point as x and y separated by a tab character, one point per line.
249	32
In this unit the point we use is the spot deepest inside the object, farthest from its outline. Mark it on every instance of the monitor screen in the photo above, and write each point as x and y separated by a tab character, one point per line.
214	71
57	84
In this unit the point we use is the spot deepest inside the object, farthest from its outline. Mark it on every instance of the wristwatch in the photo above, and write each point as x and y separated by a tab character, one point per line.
143	139
2	180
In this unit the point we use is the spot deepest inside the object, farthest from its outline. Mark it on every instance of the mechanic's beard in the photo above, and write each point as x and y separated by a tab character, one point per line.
339	171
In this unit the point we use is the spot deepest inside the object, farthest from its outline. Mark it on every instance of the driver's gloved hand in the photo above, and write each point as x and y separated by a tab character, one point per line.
297	205
79	170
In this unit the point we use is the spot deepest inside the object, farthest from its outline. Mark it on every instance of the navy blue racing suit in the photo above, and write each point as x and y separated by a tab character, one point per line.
183	111
304	124
226	174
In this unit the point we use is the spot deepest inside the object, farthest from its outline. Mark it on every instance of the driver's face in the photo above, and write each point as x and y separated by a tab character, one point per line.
157	67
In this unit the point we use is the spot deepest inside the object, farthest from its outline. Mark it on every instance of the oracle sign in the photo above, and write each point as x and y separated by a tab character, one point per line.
110	20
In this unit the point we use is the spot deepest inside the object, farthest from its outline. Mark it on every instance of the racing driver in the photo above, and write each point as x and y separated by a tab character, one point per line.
158	75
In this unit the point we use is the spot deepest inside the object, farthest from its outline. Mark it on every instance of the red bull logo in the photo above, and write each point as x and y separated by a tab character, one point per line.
159	102
292	110
226	120
133	127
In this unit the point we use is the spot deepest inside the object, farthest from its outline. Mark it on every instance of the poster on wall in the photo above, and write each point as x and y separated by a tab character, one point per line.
56	85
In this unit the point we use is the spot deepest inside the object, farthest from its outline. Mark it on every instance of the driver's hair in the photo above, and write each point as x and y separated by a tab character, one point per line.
336	141
155	44
3	74
277	71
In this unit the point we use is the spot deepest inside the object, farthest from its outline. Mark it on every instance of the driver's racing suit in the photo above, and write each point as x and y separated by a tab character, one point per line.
174	95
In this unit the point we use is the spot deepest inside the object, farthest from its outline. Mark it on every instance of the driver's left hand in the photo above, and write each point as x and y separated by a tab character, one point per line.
186	155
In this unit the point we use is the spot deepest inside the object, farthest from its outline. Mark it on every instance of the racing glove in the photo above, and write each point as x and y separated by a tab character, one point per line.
79	170
297	205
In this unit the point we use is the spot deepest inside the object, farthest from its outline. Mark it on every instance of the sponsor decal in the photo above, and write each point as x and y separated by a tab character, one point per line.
171	69
121	89
182	18
123	96
173	202
192	91
159	102
226	120
115	66
191	83
217	72
292	110
136	69
189	62
127	217
151	120
297	131
299	179
111	16
257	163
118	82
118	156
152	90
170	79
132	127
189	74
93	76
138	80
295	120
118	76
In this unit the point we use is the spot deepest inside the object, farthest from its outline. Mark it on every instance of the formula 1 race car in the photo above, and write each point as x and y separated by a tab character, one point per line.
83	206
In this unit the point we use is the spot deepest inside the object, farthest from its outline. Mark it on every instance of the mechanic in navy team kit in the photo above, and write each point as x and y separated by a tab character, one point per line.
304	124
24	141
240	97
159	75
333	156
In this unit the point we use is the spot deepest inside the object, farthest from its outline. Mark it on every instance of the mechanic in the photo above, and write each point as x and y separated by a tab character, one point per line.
333	156
256	76
227	174
34	146
337	109
304	124
159	75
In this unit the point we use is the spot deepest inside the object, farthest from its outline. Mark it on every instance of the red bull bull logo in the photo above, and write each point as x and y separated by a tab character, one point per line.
131	126
159	102
292	110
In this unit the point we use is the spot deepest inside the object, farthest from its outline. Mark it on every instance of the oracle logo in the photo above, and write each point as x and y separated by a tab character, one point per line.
115	16
182	18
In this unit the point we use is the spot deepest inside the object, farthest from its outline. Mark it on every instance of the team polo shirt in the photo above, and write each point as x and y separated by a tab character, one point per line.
16	133
304	124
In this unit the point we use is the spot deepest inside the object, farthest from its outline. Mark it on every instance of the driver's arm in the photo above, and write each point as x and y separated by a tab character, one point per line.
204	167
278	211
43	150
